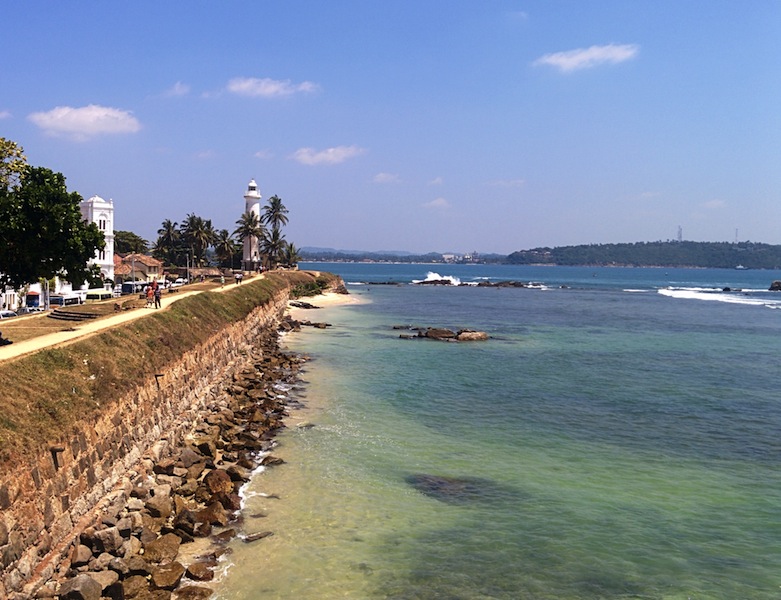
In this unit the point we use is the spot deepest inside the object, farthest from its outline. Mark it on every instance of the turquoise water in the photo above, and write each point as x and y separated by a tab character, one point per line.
618	436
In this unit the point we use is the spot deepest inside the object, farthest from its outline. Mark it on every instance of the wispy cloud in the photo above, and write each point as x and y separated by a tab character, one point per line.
5	114
329	156
264	154
507	183
268	88
587	58
437	204
436	181
386	178
177	89
206	155
713	204
81	124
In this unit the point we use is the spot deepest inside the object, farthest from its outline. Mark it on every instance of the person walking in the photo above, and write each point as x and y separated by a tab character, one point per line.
158	295
150	296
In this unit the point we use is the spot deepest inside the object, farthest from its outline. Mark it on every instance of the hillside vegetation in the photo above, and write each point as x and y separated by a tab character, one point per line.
721	255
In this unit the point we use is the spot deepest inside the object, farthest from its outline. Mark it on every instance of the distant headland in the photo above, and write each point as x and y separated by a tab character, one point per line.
712	255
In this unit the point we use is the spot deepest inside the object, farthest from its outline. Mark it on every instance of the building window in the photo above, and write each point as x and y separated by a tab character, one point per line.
102	224
101	255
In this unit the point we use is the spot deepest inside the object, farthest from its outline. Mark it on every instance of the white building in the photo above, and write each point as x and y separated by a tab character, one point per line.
251	255
95	210
101	212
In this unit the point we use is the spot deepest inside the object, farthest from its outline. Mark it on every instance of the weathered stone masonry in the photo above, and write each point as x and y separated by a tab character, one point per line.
45	503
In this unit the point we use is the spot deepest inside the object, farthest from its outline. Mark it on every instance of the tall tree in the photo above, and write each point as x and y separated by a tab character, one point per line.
275	213
273	247
198	235
250	230
43	232
225	248
168	244
126	242
290	255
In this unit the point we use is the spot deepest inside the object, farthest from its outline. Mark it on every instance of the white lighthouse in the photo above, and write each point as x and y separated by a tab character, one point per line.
251	255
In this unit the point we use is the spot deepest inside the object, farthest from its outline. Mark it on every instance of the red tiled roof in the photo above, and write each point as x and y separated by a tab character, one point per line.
143	259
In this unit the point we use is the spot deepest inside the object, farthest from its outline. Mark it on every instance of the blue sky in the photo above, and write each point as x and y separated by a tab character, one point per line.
488	125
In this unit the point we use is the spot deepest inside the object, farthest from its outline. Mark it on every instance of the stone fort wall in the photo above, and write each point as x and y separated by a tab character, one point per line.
45	503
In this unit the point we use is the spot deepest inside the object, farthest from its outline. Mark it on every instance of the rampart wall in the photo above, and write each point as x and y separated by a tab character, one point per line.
45	502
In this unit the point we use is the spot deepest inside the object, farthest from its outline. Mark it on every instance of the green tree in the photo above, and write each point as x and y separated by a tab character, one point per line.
126	242
249	229
169	242
290	255
12	163
198	234
43	232
273	247
225	247
274	213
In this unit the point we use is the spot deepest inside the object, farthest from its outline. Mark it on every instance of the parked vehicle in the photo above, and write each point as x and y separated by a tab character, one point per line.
7	314
133	287
99	294
33	299
64	300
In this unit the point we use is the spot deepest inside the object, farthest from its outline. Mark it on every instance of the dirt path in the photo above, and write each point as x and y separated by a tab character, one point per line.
85	328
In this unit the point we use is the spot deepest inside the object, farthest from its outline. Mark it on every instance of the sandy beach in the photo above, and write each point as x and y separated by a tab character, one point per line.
322	301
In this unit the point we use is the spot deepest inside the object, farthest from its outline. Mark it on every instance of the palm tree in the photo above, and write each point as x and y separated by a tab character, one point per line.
198	234
224	247
275	213
290	255
250	230
273	247
168	242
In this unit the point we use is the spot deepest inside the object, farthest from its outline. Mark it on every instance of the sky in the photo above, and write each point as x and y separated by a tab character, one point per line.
425	126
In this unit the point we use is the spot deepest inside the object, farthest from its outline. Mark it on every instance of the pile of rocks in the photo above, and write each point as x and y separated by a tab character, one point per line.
288	323
442	334
132	548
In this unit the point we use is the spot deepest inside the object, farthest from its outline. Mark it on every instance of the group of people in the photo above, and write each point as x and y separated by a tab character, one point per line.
154	294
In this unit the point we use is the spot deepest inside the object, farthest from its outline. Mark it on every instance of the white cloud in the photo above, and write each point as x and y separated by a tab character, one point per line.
713	204
386	178
178	89
437	204
206	155
329	156
86	122
586	58
507	183
264	154
4	114
436	181
268	88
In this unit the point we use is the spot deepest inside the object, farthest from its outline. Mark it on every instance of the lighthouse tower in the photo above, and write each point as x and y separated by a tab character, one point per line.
251	255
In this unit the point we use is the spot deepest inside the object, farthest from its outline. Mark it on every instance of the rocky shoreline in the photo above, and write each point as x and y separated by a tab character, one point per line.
135	545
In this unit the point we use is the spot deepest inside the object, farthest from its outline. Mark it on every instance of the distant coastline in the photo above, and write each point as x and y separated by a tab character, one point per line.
669	254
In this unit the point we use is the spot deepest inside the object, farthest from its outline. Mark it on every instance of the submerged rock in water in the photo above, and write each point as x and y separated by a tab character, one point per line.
459	490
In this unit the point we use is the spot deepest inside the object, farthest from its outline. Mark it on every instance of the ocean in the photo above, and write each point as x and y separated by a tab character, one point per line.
617	437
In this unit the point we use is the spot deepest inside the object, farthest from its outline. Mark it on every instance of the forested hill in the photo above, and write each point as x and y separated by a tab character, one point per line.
657	254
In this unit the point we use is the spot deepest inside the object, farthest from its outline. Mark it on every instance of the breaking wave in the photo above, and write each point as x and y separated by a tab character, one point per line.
746	297
432	276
